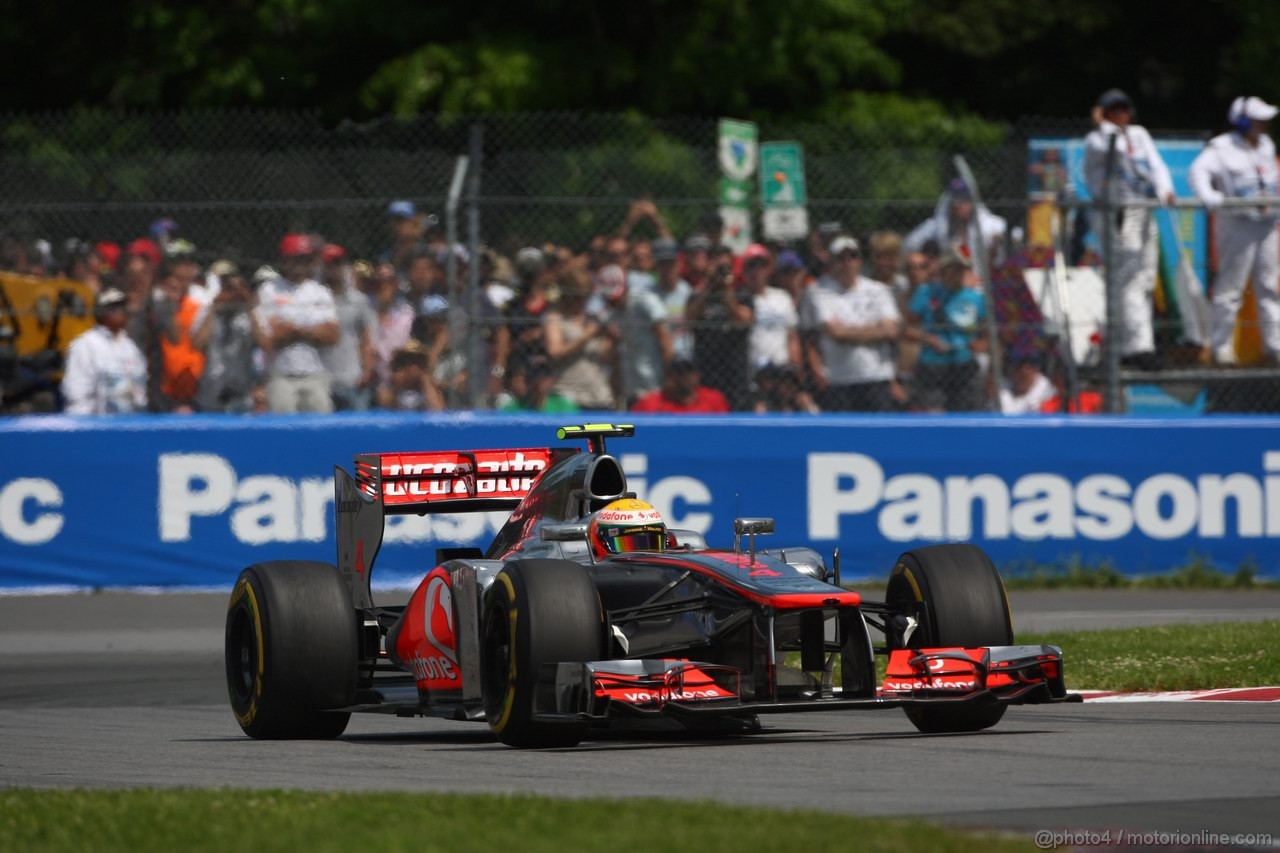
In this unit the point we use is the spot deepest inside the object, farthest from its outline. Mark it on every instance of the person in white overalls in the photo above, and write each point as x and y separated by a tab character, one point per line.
1242	164
1138	173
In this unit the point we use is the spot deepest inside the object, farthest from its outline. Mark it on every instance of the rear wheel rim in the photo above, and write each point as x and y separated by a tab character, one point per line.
497	657
242	660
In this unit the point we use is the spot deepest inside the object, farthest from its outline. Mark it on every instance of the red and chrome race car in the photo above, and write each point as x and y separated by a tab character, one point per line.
564	623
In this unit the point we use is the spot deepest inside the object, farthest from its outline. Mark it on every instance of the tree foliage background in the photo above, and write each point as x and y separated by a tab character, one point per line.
915	66
140	102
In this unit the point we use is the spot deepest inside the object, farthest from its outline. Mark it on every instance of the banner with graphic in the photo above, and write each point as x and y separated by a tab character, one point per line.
1056	166
189	501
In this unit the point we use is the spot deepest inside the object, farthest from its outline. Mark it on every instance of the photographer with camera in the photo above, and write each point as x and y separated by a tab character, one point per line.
225	334
720	315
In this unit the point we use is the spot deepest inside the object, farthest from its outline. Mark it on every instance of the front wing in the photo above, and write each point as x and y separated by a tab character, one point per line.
600	690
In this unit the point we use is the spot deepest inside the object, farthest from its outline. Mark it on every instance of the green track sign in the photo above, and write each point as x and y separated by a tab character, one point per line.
782	174
735	193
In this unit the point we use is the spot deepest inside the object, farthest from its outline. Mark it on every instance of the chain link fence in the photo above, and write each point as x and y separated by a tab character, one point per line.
560	264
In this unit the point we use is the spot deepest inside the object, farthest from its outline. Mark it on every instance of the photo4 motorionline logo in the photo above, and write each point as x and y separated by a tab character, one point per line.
1053	839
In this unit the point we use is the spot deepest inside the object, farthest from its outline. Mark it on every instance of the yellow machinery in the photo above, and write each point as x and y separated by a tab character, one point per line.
39	314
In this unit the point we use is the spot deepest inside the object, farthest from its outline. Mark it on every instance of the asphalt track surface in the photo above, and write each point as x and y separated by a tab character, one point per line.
117	690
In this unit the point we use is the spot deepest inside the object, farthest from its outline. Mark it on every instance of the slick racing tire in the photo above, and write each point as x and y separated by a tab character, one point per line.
536	612
291	650
965	605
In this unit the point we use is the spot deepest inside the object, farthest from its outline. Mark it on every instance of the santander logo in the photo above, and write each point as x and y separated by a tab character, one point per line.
437	619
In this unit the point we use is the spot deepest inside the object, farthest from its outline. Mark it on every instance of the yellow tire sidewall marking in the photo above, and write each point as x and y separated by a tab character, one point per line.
1008	611
901	569
244	589
509	700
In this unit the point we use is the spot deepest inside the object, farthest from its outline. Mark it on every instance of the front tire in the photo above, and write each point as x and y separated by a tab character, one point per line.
965	605
291	650
536	612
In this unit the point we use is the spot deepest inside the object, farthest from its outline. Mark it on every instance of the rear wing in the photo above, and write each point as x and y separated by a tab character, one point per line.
434	481
453	480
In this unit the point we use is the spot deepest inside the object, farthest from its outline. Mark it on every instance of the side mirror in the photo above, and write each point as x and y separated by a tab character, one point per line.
751	527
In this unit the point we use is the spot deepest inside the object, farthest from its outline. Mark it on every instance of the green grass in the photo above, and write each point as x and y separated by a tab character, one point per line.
1169	657
223	820
1198	573
1070	576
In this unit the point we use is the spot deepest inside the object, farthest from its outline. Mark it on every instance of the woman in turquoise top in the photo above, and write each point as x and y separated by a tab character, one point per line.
946	319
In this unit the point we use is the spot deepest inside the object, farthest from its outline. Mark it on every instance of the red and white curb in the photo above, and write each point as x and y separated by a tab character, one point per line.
1229	694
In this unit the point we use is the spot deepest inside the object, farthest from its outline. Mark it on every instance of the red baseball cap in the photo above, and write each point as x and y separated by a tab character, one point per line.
297	245
332	252
145	248
756	252
108	254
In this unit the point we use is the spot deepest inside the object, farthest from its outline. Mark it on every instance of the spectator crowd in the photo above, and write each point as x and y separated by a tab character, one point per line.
634	319
626	322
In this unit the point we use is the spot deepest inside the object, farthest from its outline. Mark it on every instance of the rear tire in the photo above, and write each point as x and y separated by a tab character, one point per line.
966	606
536	612
291	650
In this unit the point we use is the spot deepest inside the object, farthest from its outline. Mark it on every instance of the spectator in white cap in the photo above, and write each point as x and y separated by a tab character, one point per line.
1137	173
1242	164
858	325
106	373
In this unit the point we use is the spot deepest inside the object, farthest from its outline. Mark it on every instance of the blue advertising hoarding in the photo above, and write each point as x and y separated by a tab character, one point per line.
173	501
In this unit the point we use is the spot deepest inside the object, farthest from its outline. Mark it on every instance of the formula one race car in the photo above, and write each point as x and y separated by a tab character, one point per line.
586	611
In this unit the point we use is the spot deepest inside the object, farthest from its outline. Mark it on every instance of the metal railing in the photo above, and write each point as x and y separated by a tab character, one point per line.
1116	376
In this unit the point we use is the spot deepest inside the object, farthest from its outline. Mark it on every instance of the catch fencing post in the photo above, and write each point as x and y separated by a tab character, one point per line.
1111	341
457	316
1062	297
983	265
475	381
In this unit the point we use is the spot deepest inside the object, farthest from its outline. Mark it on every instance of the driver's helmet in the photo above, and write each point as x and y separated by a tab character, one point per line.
626	525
